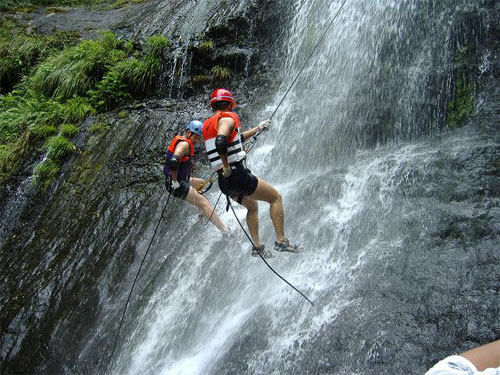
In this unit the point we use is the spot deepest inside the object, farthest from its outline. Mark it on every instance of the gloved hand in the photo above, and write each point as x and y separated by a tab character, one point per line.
226	172
175	185
265	125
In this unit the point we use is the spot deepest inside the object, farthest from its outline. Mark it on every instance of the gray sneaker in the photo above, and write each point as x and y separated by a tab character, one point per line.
285	246
262	251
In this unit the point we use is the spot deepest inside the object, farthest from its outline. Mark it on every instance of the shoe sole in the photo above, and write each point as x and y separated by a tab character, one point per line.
281	250
264	256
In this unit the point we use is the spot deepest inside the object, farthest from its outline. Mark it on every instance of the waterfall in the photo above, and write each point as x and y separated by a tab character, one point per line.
354	150
395	209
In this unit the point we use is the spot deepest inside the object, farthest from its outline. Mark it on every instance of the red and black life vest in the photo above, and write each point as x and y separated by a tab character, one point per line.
185	163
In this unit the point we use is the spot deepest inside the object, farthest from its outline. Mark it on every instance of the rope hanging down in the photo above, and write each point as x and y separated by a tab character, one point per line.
133	284
168	199
254	139
261	257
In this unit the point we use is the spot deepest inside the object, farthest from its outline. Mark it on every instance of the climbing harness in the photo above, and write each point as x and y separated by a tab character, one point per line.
133	284
261	257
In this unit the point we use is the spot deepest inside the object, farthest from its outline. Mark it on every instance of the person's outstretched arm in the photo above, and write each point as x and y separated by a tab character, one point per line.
485	356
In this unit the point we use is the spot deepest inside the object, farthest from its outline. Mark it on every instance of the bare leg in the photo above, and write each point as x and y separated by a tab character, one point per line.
267	193
203	204
486	356
252	219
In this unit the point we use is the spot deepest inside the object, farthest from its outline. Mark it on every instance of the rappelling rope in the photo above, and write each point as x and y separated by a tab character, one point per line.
263	259
133	284
258	133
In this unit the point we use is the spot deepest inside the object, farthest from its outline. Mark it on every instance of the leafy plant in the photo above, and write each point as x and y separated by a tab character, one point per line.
221	73
45	173
76	110
207	47
76	70
59	147
201	79
19	51
68	130
122	3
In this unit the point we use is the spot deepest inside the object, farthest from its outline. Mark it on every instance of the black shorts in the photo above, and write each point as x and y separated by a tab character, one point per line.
181	192
241	182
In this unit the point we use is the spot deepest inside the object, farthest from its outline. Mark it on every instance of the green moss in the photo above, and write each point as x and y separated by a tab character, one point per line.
462	106
52	10
99	127
123	114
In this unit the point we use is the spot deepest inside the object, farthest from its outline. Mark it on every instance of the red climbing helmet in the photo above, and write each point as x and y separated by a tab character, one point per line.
222	95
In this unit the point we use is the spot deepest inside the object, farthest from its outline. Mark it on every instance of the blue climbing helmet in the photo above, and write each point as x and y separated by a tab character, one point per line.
195	127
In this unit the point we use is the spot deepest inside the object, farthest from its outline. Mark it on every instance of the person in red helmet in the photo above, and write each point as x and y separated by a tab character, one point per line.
177	169
224	143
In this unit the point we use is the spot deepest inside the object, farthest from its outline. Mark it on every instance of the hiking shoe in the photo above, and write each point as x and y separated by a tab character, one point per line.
262	251
285	246
229	234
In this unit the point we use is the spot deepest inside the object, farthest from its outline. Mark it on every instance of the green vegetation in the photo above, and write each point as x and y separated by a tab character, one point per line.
99	127
68	130
207	47
122	3
19	51
61	85
29	5
201	79
58	147
221	73
45	173
461	106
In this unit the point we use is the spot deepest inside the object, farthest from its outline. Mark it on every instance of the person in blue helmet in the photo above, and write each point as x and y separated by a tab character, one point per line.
178	167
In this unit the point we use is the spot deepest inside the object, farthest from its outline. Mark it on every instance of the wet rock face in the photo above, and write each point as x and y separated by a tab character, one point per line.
55	266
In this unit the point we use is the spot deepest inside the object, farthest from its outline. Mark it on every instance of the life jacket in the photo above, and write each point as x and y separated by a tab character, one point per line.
185	163
235	152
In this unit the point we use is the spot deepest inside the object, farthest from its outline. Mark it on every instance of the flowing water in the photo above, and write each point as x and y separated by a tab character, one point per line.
370	180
